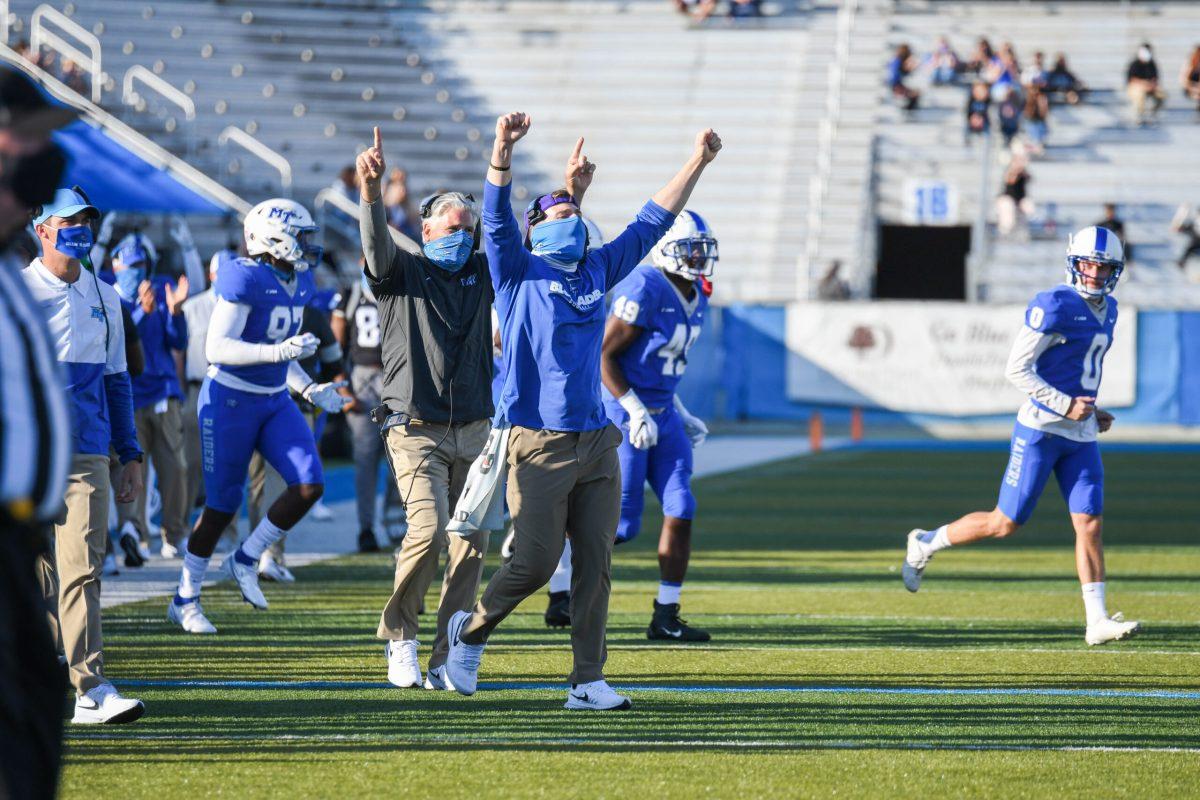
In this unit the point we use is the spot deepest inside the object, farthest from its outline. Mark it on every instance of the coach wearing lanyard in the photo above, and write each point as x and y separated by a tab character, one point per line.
84	317
562	451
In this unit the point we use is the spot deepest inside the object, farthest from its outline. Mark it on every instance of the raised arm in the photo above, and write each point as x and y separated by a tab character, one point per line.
378	247
674	196
502	241
579	173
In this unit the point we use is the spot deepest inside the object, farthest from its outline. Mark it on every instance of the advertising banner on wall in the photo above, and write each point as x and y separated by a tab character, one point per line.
925	357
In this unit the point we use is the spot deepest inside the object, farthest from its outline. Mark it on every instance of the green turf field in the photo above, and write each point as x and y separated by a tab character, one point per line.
800	694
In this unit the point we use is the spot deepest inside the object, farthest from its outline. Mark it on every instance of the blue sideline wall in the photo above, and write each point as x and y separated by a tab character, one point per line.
736	371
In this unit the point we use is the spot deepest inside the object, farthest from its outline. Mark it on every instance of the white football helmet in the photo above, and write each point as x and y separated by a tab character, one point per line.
284	229
1094	244
688	248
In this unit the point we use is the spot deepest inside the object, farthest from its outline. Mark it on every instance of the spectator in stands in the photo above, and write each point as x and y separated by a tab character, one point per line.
1037	116
745	9
1004	72
944	63
1189	77
70	74
1141	82
832	287
1112	222
1008	112
1013	206
398	205
899	68
1061	81
1187	222
699	10
1035	75
979	121
981	57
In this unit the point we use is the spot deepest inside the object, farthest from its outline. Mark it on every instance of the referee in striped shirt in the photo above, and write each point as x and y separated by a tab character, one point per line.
35	451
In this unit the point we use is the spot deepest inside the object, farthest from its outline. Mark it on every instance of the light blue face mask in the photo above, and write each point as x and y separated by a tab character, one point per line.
128	281
451	251
559	241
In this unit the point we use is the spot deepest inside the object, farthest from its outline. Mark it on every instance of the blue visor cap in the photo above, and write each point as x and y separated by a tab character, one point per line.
66	203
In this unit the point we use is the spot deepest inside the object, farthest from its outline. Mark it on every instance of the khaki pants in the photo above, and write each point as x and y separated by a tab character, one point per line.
1138	92
78	558
559	482
435	488
161	438
266	485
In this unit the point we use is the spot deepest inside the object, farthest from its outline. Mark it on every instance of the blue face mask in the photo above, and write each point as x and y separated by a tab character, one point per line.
559	241
451	251
75	241
128	281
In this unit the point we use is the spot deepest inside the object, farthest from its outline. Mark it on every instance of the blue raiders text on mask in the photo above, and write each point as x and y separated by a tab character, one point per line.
75	241
451	251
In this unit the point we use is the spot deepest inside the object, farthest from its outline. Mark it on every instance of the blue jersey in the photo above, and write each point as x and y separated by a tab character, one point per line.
655	362
1073	366
276	313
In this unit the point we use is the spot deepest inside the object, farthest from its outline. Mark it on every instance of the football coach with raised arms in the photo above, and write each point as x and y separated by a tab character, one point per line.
563	472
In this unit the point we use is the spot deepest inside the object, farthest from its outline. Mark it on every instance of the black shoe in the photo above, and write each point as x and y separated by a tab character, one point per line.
666	626
129	546
558	613
367	542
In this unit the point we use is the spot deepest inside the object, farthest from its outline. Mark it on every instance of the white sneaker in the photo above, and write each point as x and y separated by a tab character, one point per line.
915	561
169	550
105	705
246	577
110	566
403	669
320	512
436	680
272	570
189	616
1110	629
596	696
462	662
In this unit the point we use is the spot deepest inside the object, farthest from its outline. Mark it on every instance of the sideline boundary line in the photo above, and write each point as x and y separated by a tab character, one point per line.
1143	694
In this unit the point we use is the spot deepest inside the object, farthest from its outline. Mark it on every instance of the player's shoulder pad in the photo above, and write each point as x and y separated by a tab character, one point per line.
1045	309
236	279
637	284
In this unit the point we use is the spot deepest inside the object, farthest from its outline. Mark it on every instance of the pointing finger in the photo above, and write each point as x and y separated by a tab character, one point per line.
578	149
378	139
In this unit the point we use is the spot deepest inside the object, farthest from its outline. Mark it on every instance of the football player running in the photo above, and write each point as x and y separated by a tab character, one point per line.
1057	360
253	344
655	319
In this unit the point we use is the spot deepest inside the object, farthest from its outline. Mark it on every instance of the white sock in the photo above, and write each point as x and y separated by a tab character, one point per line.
668	592
560	581
192	575
1093	602
937	539
265	535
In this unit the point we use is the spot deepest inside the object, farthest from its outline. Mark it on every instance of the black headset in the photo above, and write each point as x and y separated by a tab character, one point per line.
426	210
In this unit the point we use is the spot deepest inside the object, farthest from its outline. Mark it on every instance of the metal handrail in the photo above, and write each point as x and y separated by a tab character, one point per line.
329	197
39	36
137	144
129	95
257	148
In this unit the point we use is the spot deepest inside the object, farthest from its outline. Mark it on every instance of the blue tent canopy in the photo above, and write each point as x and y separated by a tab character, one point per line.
116	179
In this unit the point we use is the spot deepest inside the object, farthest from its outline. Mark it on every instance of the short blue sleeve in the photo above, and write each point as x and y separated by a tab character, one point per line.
235	281
1044	313
634	299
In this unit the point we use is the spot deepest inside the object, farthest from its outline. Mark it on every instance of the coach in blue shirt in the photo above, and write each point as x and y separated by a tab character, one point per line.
156	306
84	318
563	468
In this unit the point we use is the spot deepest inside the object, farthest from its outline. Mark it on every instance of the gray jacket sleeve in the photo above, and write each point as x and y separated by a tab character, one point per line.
377	244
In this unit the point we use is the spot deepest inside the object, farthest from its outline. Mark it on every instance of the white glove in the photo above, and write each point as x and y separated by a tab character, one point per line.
300	346
325	396
695	428
181	233
643	430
